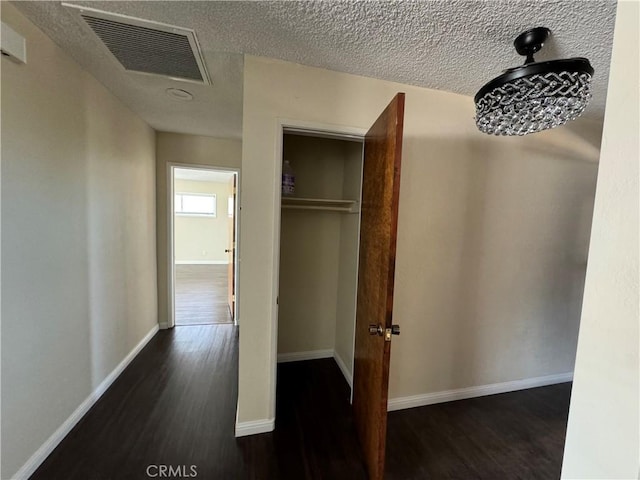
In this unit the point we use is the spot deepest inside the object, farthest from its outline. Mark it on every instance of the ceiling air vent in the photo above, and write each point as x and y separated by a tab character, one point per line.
148	47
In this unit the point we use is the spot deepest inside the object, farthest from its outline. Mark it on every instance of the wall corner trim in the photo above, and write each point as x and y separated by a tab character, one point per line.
52	442
300	356
315	355
343	369
254	427
401	403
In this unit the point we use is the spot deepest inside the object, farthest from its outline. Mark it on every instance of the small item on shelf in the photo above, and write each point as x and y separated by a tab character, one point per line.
288	180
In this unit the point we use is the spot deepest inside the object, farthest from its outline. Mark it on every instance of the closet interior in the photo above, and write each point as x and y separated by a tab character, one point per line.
319	239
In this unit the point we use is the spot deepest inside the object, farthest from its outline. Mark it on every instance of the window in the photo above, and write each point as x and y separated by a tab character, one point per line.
202	204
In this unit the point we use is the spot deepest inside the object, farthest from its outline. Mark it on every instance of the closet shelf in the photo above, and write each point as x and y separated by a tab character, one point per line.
330	205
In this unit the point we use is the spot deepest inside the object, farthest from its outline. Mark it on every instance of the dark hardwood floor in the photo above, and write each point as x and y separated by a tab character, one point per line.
314	425
201	294
516	435
176	404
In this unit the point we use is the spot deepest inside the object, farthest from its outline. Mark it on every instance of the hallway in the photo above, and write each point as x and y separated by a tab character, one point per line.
175	405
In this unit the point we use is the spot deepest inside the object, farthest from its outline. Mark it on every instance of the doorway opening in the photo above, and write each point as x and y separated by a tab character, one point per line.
335	278
203	245
319	238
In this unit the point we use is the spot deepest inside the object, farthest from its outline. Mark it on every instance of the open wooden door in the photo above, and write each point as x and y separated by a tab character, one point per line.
379	220
231	249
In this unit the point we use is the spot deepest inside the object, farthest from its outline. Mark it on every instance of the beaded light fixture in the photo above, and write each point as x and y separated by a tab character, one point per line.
534	96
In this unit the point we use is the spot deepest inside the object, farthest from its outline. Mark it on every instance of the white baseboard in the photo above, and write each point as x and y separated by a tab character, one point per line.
202	262
299	356
343	369
52	442
254	427
163	326
400	403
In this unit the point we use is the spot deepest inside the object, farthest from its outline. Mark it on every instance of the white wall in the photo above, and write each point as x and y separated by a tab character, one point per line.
602	434
187	150
310	251
492	237
78	239
201	239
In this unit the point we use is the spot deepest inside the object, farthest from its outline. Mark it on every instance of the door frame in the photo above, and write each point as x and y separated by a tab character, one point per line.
171	283
285	125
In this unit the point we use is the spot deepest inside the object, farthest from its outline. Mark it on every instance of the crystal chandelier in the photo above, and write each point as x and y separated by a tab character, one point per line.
534	96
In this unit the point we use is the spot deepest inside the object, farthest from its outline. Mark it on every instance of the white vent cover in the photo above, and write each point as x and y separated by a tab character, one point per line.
148	47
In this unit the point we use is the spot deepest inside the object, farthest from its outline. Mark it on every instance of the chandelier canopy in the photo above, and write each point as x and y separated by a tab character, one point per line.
534	96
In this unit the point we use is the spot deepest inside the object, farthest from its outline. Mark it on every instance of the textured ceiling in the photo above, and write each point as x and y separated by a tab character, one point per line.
447	45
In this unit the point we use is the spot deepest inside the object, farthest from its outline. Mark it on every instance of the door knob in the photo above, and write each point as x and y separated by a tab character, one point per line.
226	250
376	329
387	332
